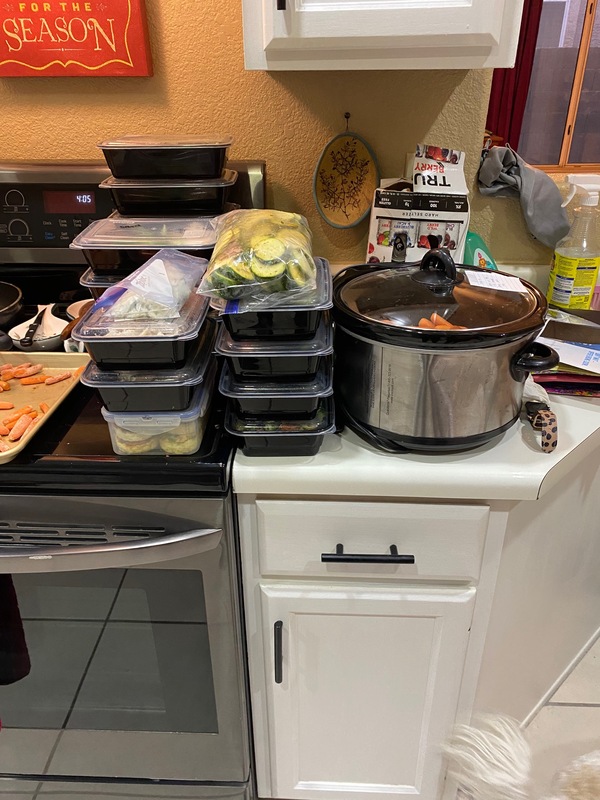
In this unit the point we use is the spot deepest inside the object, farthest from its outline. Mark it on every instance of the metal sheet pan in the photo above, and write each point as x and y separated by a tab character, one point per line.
54	364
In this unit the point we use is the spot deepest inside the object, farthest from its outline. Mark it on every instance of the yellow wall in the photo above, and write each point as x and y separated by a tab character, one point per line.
200	86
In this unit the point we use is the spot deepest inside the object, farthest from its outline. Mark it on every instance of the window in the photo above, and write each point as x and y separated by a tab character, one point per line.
556	124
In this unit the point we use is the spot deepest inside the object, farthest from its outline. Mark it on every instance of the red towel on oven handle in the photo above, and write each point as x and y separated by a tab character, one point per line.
14	656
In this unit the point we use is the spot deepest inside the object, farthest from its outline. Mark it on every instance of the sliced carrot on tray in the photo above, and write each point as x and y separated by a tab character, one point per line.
57	378
33	380
16	414
19	427
44	408
27	372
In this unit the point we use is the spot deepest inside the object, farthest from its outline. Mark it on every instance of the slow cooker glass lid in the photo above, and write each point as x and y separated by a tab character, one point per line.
392	297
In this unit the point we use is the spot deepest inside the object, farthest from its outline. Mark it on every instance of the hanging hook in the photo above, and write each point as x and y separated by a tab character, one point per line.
347	117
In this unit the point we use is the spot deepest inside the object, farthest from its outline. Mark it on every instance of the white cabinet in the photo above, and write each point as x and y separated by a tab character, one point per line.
361	687
380	34
358	622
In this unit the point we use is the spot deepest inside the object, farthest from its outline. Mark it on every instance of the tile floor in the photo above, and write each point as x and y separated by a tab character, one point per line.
569	725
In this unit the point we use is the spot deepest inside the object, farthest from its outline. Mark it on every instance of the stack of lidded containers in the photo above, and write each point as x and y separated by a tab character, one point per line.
149	336
276	333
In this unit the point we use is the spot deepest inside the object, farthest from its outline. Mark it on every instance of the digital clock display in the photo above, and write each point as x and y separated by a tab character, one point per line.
71	202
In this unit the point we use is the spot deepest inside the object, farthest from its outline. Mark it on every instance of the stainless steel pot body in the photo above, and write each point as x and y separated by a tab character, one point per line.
430	397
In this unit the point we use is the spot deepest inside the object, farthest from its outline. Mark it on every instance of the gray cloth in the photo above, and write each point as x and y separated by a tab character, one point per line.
505	174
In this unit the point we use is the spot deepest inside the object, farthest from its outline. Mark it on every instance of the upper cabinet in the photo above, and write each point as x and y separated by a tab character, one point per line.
380	34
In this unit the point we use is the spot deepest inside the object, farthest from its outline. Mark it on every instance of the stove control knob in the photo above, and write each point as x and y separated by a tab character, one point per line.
14	198
18	227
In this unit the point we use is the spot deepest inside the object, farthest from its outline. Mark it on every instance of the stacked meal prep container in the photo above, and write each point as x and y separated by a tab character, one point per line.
278	374
156	381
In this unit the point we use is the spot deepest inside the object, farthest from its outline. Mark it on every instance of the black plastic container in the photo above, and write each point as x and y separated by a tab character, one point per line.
121	263
119	245
139	344
138	197
276	361
296	400
191	157
97	285
261	438
281	323
154	390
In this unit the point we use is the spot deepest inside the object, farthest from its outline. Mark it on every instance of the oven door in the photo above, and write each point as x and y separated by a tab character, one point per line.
120	648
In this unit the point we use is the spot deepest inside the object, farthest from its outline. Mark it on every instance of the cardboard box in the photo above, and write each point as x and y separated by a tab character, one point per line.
420	220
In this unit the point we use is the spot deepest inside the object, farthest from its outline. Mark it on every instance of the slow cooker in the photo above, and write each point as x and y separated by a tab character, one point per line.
434	357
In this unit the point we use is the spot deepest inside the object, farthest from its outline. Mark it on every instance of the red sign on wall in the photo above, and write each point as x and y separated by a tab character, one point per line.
74	37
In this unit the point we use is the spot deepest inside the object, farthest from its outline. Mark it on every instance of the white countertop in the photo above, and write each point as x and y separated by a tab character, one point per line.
511	467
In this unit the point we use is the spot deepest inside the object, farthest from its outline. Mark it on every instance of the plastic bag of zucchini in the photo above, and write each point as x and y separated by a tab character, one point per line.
262	258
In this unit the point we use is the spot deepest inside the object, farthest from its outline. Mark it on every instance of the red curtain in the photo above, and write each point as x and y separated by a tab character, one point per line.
510	86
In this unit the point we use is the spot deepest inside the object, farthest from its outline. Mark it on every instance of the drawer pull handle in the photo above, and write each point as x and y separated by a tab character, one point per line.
278	646
281	5
339	557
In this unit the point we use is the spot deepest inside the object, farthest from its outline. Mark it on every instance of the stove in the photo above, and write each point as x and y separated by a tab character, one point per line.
74	454
122	658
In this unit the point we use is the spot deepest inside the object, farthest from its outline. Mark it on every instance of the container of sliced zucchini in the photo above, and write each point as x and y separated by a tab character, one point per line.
276	437
298	320
261	255
276	361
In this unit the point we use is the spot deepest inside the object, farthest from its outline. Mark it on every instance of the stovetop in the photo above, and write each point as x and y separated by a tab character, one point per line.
73	453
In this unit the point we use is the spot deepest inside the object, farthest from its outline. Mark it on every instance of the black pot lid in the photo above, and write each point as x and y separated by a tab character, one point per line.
437	299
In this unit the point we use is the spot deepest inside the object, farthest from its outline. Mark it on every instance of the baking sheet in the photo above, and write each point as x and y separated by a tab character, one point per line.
54	364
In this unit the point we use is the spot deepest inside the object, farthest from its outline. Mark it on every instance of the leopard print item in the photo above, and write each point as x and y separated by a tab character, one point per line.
545	421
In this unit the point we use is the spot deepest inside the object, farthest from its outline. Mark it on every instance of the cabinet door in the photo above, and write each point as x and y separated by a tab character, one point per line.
363	34
362	687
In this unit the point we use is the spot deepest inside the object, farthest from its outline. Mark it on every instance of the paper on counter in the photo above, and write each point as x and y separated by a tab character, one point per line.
574	355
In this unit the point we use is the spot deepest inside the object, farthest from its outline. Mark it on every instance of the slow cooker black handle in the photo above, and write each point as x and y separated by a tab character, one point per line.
437	270
536	357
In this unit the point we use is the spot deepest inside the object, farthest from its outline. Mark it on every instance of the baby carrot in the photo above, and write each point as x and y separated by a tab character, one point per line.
16	414
5	386
7	375
33	380
426	323
6	406
3	430
24	365
78	371
4	447
44	408
26	372
19	427
57	378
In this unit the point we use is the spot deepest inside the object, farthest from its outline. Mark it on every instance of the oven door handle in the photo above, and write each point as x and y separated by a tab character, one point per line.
29	559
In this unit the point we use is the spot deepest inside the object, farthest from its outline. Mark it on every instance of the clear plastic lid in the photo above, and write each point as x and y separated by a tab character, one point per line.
163	421
191	374
320	345
93	281
98	324
228	178
323	422
320	386
137	233
149	142
318	300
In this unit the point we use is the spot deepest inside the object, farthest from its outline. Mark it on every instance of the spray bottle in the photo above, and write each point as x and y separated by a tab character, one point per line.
576	262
